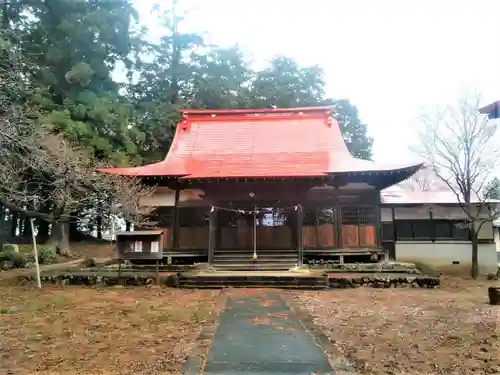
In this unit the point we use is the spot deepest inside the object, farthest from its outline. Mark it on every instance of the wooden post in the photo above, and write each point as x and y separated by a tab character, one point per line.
35	251
254	233
316	228
300	240
157	272
338	226
212	229
394	234
175	229
433	229
378	232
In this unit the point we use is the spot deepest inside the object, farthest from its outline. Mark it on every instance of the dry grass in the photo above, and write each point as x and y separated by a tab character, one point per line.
93	250
450	330
78	330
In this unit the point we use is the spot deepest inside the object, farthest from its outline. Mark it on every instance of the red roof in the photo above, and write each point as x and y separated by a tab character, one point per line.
297	142
492	110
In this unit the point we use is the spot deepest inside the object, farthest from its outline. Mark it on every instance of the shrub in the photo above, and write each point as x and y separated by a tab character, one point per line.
46	255
5	256
10	248
18	260
89	262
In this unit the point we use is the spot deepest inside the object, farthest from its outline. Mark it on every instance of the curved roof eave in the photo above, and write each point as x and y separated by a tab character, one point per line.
155	169
376	168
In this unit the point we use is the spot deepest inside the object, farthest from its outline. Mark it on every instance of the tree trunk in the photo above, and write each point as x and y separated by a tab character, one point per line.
2	226
43	230
59	238
20	223
474	272
74	234
99	227
13	224
26	226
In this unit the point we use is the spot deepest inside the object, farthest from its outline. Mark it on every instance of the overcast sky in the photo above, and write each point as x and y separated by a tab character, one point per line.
388	57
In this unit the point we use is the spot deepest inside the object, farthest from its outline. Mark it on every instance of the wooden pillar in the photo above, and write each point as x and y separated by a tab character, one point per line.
300	240
433	228
378	232
338	226
212	234
316	229
176	228
394	234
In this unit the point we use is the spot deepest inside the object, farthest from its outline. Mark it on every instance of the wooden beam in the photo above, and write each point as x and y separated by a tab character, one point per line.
394	234
300	220
212	231
378	214
176	227
338	226
433	229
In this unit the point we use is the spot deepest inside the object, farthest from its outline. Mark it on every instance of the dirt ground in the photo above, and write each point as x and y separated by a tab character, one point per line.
84	249
450	330
94	250
77	330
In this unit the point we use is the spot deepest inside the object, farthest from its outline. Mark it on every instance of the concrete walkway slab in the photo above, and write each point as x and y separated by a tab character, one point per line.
261	335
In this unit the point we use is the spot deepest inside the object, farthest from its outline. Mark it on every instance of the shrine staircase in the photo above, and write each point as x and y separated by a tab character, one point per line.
267	260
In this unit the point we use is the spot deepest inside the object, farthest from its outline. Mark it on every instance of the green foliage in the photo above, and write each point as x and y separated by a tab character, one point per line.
6	248
46	255
89	262
18	260
492	190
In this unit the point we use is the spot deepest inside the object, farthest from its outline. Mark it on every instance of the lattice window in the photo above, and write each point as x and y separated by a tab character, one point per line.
388	231
325	215
309	216
358	215
164	216
193	216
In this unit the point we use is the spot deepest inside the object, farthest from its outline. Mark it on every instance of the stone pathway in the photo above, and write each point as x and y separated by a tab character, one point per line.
261	335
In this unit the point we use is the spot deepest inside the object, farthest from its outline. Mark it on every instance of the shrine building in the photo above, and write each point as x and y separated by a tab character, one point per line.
272	189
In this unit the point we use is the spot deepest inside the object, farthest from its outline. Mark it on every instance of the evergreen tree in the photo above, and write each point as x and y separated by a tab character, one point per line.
492	190
165	73
75	46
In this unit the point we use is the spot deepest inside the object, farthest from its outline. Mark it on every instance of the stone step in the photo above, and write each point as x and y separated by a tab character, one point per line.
211	282
259	251
258	285
249	260
254	267
250	256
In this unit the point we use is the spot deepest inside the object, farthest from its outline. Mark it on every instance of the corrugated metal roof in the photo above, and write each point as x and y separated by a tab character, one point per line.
301	142
492	110
401	196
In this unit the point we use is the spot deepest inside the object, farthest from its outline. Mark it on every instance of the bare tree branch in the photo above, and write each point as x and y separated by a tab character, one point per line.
44	175
424	180
461	147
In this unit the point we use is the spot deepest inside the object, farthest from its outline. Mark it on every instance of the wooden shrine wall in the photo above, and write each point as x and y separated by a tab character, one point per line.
267	238
322	236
